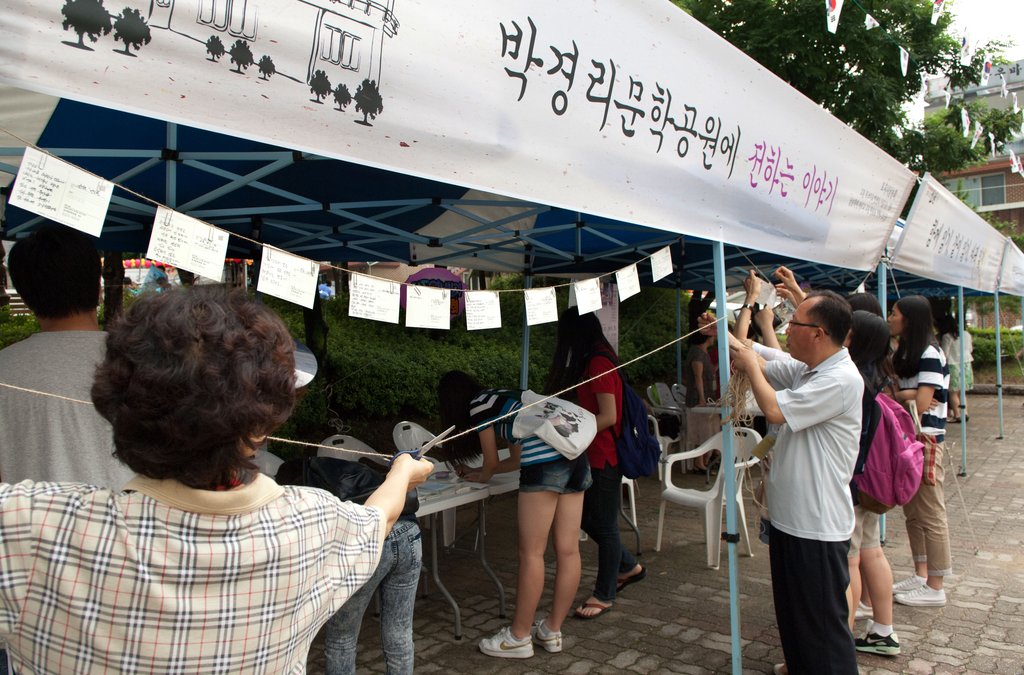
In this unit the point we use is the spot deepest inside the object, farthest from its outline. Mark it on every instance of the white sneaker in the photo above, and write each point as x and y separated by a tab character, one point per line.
909	584
505	646
923	596
863	611
550	640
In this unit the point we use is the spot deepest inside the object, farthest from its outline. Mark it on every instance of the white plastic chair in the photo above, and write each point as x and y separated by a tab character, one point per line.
666	442
711	502
679	394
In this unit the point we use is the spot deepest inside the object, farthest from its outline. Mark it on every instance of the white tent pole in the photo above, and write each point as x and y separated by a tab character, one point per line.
999	367
883	289
728	460
524	366
963	422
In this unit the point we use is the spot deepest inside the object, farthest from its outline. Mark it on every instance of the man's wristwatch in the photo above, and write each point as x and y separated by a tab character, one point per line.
748	305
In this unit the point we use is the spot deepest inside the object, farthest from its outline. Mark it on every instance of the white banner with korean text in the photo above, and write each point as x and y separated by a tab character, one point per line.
945	240
1012	278
629	110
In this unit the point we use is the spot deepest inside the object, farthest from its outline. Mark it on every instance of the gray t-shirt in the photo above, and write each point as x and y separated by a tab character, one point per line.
48	439
814	455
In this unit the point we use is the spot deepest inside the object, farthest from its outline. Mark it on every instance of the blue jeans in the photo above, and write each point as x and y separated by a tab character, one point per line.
601	522
397	576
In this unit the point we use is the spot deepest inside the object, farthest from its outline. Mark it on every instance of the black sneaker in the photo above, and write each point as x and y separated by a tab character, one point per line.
873	643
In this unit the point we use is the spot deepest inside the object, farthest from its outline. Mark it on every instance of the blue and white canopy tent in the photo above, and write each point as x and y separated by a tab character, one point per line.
438	110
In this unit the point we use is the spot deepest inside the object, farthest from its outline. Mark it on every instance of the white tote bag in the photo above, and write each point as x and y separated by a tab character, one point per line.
563	425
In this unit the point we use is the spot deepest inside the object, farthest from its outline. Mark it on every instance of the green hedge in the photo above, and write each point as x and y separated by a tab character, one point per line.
984	340
377	373
15	327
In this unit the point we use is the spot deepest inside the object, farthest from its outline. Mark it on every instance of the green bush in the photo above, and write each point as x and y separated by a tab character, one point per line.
15	327
377	373
984	340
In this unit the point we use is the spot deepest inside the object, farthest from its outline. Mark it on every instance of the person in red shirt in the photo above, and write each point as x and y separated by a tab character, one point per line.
582	353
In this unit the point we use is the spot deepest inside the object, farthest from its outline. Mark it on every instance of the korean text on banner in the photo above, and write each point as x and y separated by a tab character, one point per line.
945	240
687	135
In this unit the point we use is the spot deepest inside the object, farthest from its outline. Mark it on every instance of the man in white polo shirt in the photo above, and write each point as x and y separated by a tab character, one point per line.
816	397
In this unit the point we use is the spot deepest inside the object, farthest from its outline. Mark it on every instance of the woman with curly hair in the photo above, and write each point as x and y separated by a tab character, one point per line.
200	562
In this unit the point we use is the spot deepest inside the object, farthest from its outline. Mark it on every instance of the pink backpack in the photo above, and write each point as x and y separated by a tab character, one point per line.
892	472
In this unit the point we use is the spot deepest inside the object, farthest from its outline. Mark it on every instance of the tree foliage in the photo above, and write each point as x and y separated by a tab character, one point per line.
320	85
368	101
215	48
342	96
855	74
86	18
267	67
241	55
131	28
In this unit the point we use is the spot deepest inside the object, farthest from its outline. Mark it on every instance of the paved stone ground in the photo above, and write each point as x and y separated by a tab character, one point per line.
677	620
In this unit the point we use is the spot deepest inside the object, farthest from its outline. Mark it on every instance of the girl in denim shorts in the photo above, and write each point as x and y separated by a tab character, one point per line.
551	491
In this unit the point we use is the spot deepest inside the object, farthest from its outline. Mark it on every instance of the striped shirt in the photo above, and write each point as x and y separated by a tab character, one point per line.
491	404
162	578
932	371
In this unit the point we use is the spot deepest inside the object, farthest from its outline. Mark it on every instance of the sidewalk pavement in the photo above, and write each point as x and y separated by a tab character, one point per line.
677	619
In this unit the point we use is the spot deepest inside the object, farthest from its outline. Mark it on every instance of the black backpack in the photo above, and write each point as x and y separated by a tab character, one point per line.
637	448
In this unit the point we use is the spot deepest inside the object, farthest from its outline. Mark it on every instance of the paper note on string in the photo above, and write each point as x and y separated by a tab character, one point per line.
373	298
289	277
628	282
188	243
483	310
428	307
588	295
62	192
540	305
661	263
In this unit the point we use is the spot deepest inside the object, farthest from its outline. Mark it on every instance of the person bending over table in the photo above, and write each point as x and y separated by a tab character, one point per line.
200	563
550	500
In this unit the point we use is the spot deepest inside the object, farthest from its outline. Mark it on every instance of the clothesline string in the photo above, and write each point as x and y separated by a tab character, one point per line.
306	444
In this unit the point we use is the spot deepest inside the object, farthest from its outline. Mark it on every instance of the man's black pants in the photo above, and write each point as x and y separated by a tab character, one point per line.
809	580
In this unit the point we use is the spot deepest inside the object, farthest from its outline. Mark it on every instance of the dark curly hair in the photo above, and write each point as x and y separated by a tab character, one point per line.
191	382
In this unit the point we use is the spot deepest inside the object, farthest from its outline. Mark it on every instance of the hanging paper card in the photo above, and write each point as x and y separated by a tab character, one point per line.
628	282
977	134
373	298
540	305
483	310
904	61
588	295
965	120
768	296
833	8
62	192
937	10
870	22
661	263
428	307
188	243
289	277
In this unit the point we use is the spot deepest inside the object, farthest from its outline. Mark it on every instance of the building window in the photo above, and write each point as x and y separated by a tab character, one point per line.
339	47
967	189
235	16
993	189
